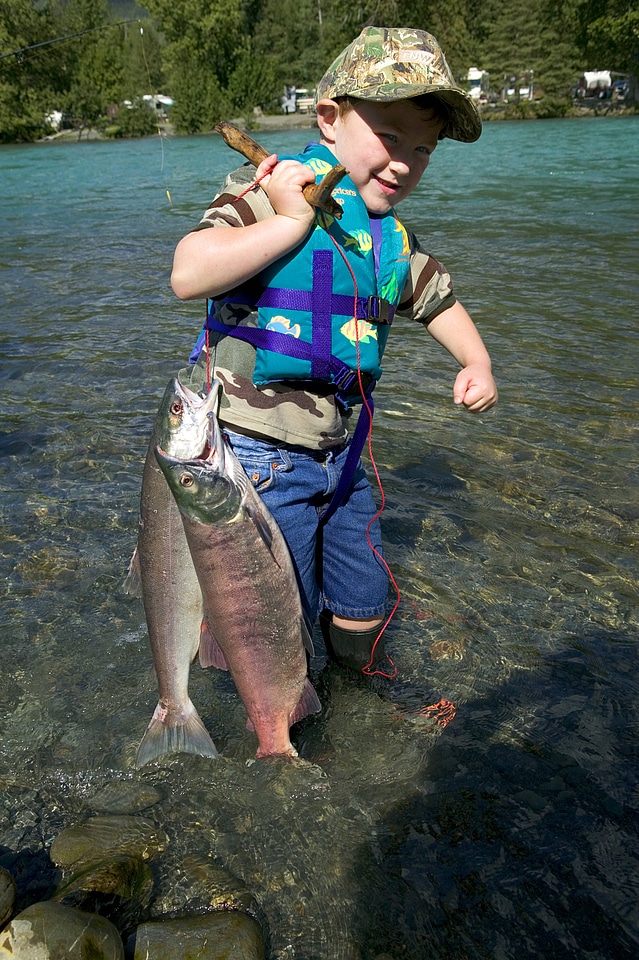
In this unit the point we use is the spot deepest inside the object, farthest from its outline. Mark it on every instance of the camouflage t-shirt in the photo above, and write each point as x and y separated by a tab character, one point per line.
290	412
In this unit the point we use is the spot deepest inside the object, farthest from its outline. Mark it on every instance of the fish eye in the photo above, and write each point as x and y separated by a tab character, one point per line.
177	408
186	480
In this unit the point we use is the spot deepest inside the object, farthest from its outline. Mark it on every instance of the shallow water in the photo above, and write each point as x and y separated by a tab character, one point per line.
513	830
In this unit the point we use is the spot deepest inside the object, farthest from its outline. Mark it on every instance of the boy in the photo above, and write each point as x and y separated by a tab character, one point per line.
302	277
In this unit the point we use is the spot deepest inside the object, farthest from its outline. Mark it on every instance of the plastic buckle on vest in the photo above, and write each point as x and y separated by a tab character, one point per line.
345	381
347	384
379	310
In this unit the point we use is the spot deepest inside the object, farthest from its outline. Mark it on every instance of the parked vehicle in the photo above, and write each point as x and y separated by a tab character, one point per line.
620	89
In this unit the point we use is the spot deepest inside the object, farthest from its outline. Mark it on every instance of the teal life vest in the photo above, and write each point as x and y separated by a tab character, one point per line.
314	321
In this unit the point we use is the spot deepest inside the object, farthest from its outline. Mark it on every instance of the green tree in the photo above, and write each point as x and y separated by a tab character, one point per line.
613	37
290	34
219	58
519	37
253	81
200	102
94	58
30	69
204	43
142	66
137	121
302	37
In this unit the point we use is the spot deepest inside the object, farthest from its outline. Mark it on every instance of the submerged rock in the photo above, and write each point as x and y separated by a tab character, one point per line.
194	884
7	895
50	931
119	889
125	797
216	936
101	837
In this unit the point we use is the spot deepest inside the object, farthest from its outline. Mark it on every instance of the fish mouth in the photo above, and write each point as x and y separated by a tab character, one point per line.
212	450
187	433
214	447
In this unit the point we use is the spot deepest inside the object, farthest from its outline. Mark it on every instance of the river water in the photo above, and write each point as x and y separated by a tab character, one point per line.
512	831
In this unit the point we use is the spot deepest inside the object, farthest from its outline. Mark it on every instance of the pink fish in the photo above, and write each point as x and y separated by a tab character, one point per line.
253	608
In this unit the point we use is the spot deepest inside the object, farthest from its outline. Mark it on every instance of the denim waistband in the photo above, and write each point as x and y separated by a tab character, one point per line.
267	445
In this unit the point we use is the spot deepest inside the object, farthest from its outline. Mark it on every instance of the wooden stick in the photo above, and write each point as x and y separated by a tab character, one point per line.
317	194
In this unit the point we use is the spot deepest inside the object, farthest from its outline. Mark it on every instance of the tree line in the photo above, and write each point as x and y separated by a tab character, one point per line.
222	58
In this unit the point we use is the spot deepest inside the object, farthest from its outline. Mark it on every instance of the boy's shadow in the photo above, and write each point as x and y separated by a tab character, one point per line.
514	844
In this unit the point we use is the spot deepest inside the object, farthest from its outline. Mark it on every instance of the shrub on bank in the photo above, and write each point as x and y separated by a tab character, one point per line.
136	121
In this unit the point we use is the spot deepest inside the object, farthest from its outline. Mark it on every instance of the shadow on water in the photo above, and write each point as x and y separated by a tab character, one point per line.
519	838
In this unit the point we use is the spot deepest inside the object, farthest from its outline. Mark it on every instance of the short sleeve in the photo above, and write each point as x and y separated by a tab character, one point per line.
238	204
428	289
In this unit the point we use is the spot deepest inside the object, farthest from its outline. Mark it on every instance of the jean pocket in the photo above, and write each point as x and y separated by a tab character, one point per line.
262	461
262	472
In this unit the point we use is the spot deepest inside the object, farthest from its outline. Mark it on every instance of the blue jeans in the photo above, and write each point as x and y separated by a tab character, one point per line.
335	565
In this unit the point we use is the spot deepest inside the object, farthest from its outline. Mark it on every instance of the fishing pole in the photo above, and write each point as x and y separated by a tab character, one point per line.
71	36
80	33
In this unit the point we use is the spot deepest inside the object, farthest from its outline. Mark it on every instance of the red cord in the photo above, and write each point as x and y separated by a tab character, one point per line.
208	353
206	329
251	185
368	668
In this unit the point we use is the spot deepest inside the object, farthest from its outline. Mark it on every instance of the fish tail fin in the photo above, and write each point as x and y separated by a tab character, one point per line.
188	736
210	653
133	583
308	703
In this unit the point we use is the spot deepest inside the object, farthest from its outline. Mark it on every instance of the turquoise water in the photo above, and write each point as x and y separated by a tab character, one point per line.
512	831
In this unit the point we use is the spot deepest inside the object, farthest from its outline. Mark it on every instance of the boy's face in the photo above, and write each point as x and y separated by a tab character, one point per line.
384	147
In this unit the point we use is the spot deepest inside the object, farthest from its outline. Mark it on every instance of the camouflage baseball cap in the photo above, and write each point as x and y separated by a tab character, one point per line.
386	64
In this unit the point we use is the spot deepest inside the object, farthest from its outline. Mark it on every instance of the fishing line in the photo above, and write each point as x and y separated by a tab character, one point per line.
70	36
160	133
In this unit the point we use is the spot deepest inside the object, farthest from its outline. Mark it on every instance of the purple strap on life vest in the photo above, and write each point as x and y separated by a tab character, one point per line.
376	234
321	313
374	309
354	453
344	379
321	303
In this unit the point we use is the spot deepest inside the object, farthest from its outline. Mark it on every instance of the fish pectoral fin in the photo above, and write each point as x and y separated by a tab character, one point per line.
162	737
306	636
308	703
210	654
262	525
133	583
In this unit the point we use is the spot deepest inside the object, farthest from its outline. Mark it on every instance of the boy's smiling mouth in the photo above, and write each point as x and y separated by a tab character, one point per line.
386	185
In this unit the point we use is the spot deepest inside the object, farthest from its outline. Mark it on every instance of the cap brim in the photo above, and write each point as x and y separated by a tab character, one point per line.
464	121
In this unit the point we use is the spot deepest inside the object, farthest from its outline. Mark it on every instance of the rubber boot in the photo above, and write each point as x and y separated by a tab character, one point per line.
351	648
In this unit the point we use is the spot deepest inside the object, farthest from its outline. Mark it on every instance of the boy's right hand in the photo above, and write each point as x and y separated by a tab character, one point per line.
283	182
209	263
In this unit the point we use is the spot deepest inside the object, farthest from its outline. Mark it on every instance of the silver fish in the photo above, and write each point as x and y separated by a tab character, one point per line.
162	571
253	608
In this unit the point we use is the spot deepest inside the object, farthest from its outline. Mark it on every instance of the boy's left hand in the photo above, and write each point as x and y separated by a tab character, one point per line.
475	388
